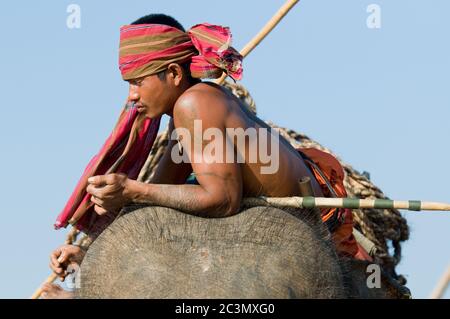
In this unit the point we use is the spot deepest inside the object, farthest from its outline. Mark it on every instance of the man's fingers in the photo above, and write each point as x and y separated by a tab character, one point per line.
97	201
103	192
95	191
102	180
63	257
100	210
98	180
109	179
50	291
45	288
54	258
54	264
57	260
57	270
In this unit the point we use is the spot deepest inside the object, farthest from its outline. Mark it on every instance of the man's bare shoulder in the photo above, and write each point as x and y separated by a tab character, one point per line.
202	101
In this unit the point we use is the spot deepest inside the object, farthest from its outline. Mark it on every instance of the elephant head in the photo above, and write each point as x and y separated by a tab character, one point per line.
262	252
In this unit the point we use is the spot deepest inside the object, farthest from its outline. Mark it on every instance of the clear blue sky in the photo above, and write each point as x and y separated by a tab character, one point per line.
377	97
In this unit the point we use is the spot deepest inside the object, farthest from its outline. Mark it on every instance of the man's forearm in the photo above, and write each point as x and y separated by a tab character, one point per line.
193	199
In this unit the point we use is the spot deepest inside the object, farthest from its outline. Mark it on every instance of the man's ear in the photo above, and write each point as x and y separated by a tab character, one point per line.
175	73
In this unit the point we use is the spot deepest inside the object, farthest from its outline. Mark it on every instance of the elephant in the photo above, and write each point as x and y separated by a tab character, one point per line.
261	252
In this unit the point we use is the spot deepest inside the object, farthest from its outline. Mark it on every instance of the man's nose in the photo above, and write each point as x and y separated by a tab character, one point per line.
133	94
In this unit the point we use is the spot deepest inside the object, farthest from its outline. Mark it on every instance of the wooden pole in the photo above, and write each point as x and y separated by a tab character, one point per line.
263	33
441	286
352	203
268	27
305	187
49	280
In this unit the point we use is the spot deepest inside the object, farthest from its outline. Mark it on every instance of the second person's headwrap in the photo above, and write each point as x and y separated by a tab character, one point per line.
147	49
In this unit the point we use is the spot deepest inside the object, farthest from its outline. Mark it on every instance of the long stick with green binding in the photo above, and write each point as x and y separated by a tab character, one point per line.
353	203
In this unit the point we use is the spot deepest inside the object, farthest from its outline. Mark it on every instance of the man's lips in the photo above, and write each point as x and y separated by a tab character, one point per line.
140	108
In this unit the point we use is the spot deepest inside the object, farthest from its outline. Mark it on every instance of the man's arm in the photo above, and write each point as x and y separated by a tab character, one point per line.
219	191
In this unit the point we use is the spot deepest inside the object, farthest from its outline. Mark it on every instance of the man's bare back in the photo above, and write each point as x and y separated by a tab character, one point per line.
227	112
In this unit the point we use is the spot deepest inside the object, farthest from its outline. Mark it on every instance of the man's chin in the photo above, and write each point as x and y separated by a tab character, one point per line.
151	115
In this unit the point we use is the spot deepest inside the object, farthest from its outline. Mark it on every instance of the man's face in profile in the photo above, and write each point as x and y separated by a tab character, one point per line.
150	95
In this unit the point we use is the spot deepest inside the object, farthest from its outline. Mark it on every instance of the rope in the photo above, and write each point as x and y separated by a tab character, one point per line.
384	227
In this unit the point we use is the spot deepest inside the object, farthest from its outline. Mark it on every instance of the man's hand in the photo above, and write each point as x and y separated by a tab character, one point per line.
64	256
109	192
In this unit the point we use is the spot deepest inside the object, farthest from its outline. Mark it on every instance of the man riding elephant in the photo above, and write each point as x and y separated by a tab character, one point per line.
231	153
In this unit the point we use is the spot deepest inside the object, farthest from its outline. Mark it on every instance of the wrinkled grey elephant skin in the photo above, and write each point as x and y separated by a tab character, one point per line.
262	252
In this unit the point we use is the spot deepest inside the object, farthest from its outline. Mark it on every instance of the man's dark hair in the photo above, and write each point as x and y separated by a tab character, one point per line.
159	18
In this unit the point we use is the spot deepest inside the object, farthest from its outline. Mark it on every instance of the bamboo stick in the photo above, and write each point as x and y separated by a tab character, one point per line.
268	27
441	286
263	33
353	203
38	291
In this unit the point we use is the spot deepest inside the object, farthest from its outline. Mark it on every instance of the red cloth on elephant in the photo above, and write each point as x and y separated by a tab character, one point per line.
330	176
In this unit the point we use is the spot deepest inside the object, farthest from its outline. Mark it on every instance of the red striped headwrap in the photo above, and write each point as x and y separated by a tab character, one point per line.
147	49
